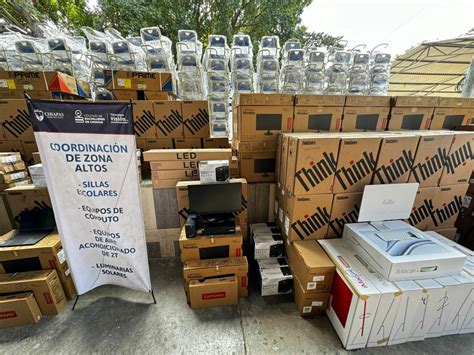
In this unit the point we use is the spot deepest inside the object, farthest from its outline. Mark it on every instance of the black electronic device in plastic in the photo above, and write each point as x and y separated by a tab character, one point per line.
367	122
268	122
320	122
412	122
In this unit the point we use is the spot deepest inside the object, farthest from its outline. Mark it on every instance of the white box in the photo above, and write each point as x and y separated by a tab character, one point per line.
468	311
272	263
426	310
267	246
416	257
213	171
352	303
276	281
410	301
37	175
461	305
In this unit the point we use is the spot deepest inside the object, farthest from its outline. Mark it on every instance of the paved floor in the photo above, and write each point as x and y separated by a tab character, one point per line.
116	320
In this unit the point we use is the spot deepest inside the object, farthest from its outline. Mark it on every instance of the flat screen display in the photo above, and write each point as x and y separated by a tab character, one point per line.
320	122
215	198
269	122
367	122
412	121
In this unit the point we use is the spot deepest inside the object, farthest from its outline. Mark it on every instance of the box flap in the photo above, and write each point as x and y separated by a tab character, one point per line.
387	202
312	254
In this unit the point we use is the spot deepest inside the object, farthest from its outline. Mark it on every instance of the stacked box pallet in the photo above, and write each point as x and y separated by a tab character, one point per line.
13	171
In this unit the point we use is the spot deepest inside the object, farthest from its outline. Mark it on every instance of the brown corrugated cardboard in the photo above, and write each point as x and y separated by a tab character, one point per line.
8	168
26	198
447	204
174	165
311	266
144	119
168	119
416	101
162	143
215	143
160	95
210	246
202	269
345	209
456	102
37	95
44	255
195	119
257	166
420	216
44	284
164	184
307	217
188	174
141	143
395	158
7	178
11	146
187	154
309	304
361	119
449	233
254	146
264	100
285	141
375	101
36	158
18	309
459	161
134	80
356	162
410	118
451	118
319	100
261	122
278	160
187	143
234	169
37	81
430	157
15	120
317	119
29	147
213	292
311	163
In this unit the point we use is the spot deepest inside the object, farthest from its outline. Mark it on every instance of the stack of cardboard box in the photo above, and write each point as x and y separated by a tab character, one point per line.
169	166
12	171
412	113
318	113
366	113
257	120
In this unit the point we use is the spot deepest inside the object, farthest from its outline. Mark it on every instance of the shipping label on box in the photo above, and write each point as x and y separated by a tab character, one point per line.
15	120
410	118
451	118
317	119
447	205
362	119
345	209
459	161
311	164
169	119
422	210
307	217
144	119
195	119
309	304
430	158
355	163
395	159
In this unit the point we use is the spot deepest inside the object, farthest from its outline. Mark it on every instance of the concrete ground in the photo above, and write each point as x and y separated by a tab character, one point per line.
117	320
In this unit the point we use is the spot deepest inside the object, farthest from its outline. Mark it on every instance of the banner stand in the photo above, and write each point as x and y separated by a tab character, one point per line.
152	292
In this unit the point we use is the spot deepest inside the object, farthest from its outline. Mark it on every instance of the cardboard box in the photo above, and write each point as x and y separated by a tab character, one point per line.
215	143
187	143
38	81
12	146
451	118
169	119
8	168
174	165
447	205
7	178
18	309
456	102
195	119
319	100
345	209
307	217
430	157
410	118
265	244
362	101
310	264
37	175
276	280
29	147
26	198
422	210
362	119
44	255
416	101
257	166
255	99
36	158
135	80
449	233
356	162
211	268
210	246
38	95
162	143
44	284
213	292
317	119
459	162
144	119
285	141
395	158
164	184
311	163
309	304
15	120
187	154
188	174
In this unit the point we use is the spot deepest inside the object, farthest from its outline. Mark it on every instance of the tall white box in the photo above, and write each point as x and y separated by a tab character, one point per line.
392	247
462	305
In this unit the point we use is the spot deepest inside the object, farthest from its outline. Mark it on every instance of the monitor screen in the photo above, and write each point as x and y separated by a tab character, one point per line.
215	198
269	121
264	166
367	122
453	121
412	121
320	122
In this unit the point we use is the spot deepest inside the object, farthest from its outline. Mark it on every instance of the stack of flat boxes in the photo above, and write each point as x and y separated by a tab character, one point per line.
366	113
12	171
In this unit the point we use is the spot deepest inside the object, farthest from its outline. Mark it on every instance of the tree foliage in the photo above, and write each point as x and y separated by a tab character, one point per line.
227	17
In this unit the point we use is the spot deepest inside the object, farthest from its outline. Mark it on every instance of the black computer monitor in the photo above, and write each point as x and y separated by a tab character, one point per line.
269	121
264	166
453	121
215	198
412	121
320	122
367	122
